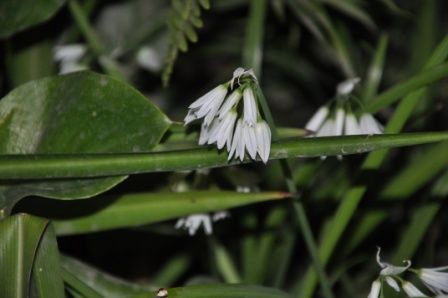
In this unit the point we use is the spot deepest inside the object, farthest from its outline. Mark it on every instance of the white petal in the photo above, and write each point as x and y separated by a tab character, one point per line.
220	215
230	102
346	87
339	122
327	129
250	107
375	289
412	291
318	119
392	283
351	125
250	140
235	141
219	91
370	125
435	280
190	117
204	134
389	269
226	129
263	135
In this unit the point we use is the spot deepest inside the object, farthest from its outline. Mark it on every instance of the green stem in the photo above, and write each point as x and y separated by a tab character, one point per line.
108	64
252	57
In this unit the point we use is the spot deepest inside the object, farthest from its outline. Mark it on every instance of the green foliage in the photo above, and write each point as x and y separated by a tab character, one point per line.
184	19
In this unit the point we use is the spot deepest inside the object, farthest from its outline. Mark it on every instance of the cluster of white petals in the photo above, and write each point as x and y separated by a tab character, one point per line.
337	120
435	279
193	222
223	126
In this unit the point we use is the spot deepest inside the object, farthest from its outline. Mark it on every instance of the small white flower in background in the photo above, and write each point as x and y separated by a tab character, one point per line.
69	57
435	279
222	124
411	290
337	118
193	222
149	58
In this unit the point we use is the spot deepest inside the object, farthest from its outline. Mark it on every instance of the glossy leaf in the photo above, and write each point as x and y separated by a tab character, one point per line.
19	239
91	282
47	268
94	165
77	113
145	208
17	15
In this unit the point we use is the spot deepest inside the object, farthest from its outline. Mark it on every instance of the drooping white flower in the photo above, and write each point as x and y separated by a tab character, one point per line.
346	87
193	222
392	283
339	122
317	119
327	129
369	125
250	107
69	57
263	135
237	142
250	140
375	289
411	290
389	269
222	130
351	126
207	105
231	101
435	279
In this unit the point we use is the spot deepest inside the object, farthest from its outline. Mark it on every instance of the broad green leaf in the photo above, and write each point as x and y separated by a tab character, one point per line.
81	112
93	165
19	240
138	209
17	15
47	268
226	291
91	282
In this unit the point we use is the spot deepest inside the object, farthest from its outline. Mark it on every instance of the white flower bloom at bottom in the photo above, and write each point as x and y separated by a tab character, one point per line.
375	289
435	279
193	222
411	290
222	130
369	125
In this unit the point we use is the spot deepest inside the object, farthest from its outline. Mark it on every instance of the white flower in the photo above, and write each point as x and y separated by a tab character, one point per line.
222	130
351	126
317	119
193	222
237	142
435	279
250	107
370	125
346	87
339	122
411	291
239	72
392	283
230	102
389	269
375	289
250	140
207	105
69	57
263	136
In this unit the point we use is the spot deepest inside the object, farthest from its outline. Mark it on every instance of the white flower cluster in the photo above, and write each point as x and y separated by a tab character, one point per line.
193	222
337	118
222	124
435	279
